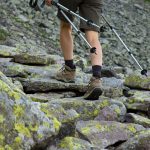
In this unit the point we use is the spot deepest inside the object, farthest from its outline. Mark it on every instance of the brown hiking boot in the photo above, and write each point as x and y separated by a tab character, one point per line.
94	89
66	74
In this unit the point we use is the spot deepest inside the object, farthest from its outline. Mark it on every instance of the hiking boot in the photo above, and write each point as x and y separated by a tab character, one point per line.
66	74
94	89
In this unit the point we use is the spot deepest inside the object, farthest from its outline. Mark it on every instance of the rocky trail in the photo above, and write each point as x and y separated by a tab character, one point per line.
53	115
39	113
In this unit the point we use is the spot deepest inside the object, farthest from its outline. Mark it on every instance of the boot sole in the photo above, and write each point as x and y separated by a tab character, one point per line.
94	94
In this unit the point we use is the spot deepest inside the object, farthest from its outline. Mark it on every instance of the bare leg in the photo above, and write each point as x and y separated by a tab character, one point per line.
93	39
66	40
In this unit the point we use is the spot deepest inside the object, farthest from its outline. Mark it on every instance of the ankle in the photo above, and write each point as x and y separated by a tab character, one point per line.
96	69
70	64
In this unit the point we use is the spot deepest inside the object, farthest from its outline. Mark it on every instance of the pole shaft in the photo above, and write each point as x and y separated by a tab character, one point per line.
127	48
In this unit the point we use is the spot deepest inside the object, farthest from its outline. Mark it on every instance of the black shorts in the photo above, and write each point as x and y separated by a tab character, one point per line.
88	9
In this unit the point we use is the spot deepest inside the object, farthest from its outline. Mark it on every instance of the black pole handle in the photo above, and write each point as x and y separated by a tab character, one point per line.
144	72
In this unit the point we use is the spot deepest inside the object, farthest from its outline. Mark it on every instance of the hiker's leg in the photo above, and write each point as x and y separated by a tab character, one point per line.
66	40
67	73
93	39
94	89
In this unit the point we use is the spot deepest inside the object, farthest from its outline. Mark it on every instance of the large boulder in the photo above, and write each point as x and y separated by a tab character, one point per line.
105	133
22	124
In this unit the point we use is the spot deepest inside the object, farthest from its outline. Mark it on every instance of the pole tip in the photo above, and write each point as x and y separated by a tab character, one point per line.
144	72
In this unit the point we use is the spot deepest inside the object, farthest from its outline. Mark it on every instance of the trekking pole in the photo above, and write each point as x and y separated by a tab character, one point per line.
33	4
143	71
91	23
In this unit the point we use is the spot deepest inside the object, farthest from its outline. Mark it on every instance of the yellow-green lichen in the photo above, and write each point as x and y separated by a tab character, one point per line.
35	99
57	124
22	129
118	111
131	128
40	136
131	100
17	141
85	130
4	53
33	127
2	118
67	143
96	112
2	138
104	103
18	110
133	79
45	109
7	147
70	119
99	126
12	94
102	128
137	81
46	124
1	148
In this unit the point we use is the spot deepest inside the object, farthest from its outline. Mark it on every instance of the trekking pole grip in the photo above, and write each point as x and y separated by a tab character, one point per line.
144	72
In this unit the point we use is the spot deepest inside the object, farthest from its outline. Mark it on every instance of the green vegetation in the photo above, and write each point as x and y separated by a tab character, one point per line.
3	35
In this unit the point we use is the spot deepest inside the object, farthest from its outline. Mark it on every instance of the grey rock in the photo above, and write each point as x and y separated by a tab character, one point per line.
134	118
106	133
139	141
139	101
26	125
137	81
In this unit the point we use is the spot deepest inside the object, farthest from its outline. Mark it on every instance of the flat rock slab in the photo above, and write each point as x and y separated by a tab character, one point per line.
137	81
37	59
11	69
112	87
106	133
5	60
47	97
139	101
40	79
6	51
45	85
